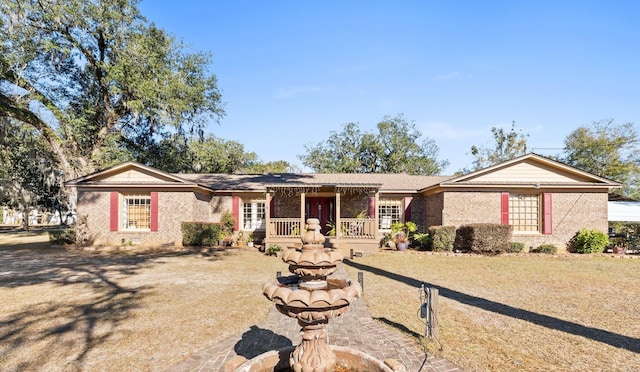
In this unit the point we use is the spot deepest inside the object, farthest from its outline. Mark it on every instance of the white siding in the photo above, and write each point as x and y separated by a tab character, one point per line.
529	172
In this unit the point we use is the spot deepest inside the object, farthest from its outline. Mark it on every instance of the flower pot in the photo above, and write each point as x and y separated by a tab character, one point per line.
619	250
401	246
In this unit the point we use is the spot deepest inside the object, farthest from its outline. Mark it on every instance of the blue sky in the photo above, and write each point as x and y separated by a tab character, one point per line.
292	71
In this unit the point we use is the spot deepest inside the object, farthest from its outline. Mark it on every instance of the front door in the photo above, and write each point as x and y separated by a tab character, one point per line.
322	209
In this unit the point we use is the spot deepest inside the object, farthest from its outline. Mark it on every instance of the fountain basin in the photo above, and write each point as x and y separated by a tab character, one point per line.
347	360
311	305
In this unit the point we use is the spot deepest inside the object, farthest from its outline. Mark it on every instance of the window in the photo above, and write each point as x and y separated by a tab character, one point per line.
524	212
253	215
136	211
390	211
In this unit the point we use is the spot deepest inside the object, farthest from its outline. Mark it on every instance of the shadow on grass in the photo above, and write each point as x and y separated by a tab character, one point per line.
20	267
72	326
75	327
600	335
401	327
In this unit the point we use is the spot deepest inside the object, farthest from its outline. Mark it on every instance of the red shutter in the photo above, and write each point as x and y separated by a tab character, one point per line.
407	208
504	208
154	211
235	212
547	212
371	207
113	211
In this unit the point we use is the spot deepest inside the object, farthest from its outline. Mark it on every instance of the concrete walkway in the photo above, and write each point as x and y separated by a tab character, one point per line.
355	329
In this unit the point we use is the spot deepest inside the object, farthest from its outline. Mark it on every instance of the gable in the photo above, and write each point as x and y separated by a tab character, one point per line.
133	176
530	171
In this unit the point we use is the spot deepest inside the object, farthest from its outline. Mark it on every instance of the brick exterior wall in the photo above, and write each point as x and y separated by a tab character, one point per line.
219	205
286	206
173	208
419	212
352	204
462	208
434	204
571	211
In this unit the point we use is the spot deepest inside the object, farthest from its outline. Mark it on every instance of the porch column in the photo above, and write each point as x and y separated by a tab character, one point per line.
338	223
303	197
267	217
376	216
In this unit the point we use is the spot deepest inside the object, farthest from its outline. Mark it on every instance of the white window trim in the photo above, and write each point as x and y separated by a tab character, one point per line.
390	201
123	212
255	223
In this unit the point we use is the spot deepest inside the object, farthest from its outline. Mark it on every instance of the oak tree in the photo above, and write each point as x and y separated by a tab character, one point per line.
397	147
93	78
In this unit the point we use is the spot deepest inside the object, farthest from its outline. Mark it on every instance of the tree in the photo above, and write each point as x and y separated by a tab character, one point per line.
508	145
209	154
216	155
393	149
96	80
278	166
29	176
607	150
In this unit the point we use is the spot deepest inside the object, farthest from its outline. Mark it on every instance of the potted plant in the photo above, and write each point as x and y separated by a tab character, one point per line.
241	239
274	250
250	240
401	233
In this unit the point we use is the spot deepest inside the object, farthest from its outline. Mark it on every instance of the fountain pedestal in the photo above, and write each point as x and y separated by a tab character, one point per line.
313	300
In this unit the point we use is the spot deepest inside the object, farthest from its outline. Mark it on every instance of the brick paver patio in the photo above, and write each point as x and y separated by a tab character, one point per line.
355	329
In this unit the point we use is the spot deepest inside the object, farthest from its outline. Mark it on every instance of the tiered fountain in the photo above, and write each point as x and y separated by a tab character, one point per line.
313	299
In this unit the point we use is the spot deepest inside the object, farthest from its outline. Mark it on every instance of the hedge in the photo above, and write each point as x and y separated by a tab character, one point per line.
199	234
62	237
590	241
485	238
442	238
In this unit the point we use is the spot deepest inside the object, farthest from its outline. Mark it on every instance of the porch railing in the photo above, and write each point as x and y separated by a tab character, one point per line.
352	228
358	228
284	228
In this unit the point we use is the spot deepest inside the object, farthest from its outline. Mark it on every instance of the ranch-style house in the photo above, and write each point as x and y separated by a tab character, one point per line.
545	201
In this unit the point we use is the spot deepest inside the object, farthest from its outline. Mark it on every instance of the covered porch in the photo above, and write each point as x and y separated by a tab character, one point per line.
347	215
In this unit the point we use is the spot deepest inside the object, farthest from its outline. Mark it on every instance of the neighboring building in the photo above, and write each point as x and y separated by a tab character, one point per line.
545	202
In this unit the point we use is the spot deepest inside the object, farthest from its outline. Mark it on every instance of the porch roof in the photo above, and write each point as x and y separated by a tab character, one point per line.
400	183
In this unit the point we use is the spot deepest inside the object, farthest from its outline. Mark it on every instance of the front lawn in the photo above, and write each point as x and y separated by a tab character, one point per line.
524	312
122	311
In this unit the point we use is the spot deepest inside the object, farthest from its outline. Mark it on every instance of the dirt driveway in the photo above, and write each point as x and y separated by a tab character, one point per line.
133	309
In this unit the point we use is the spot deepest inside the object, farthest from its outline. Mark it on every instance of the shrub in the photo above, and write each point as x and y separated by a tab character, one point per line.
442	238
546	248
62	237
515	247
272	251
227	223
590	241
198	234
423	239
485	238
